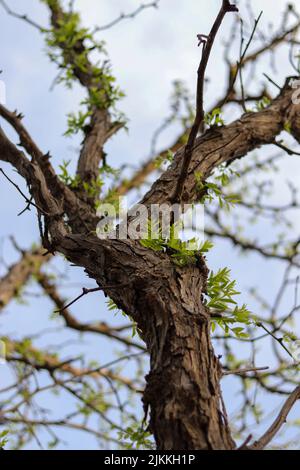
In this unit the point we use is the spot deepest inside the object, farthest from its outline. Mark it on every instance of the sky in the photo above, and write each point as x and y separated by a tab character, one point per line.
147	55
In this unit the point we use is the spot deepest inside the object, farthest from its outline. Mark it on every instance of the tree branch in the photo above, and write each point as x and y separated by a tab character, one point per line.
261	443
19	274
22	17
73	323
207	47
126	16
226	144
100	127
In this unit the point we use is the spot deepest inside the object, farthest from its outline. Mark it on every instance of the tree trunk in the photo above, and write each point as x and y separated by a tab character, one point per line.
183	389
166	301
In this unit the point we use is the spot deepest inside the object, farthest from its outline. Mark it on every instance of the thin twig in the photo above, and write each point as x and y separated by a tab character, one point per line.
244	371
279	340
207	47
126	16
271	81
241	68
29	201
240	64
22	17
86	291
286	149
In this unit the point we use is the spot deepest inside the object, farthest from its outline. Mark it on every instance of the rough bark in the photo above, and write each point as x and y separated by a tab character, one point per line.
166	302
183	385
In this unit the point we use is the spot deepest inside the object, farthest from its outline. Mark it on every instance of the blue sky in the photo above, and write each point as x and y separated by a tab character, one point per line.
147	55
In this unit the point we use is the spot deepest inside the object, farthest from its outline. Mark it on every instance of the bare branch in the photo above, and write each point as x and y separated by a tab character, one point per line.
261	443
126	16
22	17
41	360
244	371
86	291
207	47
73	323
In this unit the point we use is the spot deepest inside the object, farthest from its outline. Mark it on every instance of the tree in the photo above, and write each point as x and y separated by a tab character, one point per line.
176	304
